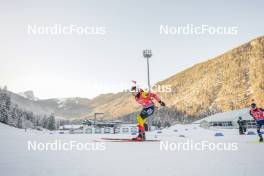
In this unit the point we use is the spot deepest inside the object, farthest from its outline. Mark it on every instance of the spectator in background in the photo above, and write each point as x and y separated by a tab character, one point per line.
241	125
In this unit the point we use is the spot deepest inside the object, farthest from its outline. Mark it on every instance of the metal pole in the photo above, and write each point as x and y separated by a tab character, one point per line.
148	74
94	119
149	120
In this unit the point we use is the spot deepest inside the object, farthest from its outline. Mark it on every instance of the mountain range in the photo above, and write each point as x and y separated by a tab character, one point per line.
227	82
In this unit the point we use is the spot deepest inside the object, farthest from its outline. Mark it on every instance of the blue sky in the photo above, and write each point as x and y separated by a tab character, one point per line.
73	65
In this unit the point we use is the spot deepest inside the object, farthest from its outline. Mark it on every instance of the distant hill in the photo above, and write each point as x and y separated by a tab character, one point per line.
227	82
29	95
65	108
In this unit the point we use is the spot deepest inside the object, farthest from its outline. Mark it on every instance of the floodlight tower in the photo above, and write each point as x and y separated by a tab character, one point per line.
147	53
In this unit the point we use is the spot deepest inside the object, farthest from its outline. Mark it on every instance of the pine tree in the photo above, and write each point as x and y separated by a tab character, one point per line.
5	106
51	123
44	122
12	115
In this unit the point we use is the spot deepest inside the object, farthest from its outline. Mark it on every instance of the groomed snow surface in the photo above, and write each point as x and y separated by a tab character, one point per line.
130	159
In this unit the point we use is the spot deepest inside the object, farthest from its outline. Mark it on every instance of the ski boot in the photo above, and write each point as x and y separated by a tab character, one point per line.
261	139
139	137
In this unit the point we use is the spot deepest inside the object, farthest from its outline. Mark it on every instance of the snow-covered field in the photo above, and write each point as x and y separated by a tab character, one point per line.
130	159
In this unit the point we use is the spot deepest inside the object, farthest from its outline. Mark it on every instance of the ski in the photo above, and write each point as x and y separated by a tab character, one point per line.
117	139
128	140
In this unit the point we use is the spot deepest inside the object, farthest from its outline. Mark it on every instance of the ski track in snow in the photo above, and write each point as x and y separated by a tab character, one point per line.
129	159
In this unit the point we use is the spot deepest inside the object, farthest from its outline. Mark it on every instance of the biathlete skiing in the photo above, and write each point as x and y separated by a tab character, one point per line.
146	100
258	115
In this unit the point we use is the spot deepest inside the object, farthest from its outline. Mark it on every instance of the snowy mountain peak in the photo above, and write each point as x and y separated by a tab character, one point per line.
29	95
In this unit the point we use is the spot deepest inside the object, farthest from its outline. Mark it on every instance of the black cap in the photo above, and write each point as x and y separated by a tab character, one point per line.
253	105
133	88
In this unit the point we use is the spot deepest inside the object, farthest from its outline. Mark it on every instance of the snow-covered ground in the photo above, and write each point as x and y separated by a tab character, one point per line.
130	159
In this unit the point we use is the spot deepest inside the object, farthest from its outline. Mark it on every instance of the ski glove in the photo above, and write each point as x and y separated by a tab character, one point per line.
161	103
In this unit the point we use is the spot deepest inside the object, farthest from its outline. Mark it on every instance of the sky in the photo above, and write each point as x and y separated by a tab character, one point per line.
78	65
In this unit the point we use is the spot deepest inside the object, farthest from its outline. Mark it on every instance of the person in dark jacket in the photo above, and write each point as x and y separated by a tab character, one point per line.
241	125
